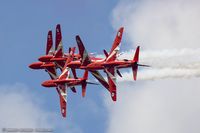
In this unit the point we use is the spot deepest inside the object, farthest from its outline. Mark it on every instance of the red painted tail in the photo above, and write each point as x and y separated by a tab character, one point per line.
136	56
135	63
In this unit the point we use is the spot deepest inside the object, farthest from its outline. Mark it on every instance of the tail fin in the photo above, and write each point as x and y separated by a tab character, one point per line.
135	63
115	47
136	56
49	48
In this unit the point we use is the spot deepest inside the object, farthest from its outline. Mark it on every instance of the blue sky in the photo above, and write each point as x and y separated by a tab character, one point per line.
23	30
164	99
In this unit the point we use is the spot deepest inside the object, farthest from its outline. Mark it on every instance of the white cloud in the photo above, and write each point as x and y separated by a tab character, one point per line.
157	24
18	108
168	33
167	106
21	108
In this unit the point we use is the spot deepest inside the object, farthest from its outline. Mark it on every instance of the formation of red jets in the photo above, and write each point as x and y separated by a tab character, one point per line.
56	59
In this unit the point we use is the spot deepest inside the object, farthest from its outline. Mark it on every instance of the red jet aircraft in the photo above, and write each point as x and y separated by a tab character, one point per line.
94	65
50	67
64	81
110	64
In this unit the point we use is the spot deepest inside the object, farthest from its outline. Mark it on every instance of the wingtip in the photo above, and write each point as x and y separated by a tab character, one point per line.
121	28
78	38
49	32
120	31
58	26
114	96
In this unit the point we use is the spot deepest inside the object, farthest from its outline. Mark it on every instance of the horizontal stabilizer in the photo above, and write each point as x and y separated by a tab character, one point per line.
73	89
92	83
143	65
105	53
118	72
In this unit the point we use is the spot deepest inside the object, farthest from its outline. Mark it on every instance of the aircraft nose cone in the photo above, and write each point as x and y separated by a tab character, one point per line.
31	66
48	83
45	58
36	65
44	84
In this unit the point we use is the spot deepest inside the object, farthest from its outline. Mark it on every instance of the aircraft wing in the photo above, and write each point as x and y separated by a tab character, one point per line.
100	78
85	60
112	82
58	45
115	47
49	45
60	89
52	72
63	101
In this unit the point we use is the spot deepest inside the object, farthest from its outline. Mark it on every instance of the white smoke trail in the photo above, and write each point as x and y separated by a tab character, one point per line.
174	58
168	63
183	63
162	73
